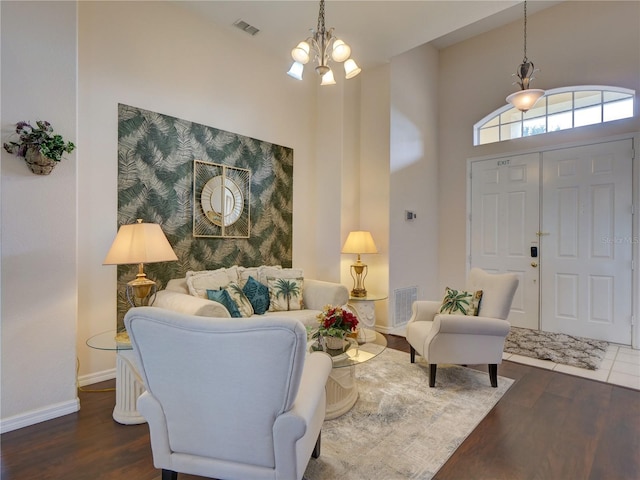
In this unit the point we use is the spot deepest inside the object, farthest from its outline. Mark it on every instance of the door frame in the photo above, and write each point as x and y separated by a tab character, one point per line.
635	221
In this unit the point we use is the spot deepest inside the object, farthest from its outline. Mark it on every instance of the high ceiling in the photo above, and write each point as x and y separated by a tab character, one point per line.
376	30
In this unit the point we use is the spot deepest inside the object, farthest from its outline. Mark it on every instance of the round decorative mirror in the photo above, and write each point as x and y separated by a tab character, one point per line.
220	197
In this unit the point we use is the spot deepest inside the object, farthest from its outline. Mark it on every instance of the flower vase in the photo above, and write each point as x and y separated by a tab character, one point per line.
334	343
38	163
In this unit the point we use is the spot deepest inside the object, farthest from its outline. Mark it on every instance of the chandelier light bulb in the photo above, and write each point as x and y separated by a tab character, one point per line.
301	53
327	78
324	48
296	70
341	51
351	68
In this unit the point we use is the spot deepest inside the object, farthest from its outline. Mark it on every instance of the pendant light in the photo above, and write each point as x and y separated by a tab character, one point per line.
527	97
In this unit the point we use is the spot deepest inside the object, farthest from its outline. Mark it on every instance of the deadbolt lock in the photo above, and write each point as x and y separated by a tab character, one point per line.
534	264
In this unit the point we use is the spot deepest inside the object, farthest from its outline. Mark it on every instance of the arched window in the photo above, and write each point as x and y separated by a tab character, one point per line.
559	109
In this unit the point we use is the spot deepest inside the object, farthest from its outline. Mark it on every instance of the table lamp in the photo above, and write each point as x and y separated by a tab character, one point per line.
359	242
140	243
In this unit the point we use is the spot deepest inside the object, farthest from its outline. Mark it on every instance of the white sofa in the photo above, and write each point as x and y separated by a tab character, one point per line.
315	295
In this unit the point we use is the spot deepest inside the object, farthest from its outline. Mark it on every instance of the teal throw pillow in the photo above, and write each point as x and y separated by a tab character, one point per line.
258	295
223	297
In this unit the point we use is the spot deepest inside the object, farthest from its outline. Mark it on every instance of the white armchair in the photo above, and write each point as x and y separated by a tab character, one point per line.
229	398
460	339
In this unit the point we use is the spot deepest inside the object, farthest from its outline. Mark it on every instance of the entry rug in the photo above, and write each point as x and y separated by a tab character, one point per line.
557	347
400	428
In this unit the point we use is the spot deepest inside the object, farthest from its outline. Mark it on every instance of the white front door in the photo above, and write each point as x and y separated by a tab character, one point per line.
504	224
586	241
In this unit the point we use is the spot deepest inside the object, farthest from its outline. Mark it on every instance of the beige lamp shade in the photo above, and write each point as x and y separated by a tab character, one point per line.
359	242
140	243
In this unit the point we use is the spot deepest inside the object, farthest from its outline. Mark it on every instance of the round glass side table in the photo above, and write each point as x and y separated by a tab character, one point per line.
129	385
342	385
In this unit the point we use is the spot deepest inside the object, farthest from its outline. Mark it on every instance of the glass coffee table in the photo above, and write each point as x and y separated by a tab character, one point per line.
342	385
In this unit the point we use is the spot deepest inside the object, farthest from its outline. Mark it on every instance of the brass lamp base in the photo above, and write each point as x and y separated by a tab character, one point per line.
358	273
141	291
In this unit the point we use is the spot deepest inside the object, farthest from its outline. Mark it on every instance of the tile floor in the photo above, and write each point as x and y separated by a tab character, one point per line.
620	366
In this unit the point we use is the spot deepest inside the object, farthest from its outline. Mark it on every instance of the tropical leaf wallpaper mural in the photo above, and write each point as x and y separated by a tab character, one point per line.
156	155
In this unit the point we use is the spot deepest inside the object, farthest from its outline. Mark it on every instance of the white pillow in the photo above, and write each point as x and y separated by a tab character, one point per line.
244	273
199	282
265	272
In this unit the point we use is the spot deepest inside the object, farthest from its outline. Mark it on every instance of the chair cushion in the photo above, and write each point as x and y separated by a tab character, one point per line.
258	295
498	292
460	302
223	297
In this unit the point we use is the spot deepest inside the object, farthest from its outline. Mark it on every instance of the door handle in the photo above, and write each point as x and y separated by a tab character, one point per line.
534	264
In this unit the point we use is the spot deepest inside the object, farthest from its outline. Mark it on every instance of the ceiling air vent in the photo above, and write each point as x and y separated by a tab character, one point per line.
245	27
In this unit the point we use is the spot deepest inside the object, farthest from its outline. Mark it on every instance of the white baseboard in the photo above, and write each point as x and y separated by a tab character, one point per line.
41	415
96	377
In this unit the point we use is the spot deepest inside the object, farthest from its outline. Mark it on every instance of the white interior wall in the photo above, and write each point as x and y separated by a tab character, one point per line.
164	58
38	218
573	43
413	255
375	105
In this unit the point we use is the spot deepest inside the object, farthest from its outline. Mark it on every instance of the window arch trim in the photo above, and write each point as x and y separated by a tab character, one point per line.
496	114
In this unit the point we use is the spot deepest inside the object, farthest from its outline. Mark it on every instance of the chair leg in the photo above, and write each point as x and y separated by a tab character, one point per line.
316	449
493	374
432	374
412	354
169	475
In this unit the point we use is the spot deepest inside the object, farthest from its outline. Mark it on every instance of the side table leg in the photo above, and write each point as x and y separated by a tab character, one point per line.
129	387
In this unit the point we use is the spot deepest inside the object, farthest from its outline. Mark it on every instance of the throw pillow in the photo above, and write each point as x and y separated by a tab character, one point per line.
258	295
460	302
240	299
264	272
199	282
223	297
285	294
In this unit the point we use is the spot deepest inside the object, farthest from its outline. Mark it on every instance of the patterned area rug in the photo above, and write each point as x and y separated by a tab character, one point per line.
400	428
557	347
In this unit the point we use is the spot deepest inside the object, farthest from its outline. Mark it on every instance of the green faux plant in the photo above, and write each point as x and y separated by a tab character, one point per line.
42	138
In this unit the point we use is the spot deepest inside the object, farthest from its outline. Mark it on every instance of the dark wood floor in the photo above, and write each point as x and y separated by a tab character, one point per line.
548	426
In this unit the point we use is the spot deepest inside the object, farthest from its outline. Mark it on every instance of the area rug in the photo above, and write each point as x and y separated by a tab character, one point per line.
557	347
400	428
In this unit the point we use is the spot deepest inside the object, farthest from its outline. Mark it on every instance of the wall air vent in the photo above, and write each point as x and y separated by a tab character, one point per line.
245	27
403	299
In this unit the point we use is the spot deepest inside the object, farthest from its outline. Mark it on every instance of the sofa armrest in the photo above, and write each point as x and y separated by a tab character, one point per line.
424	311
317	293
190	305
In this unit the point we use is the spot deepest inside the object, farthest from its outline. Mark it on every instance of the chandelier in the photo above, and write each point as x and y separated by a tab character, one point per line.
324	47
527	97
